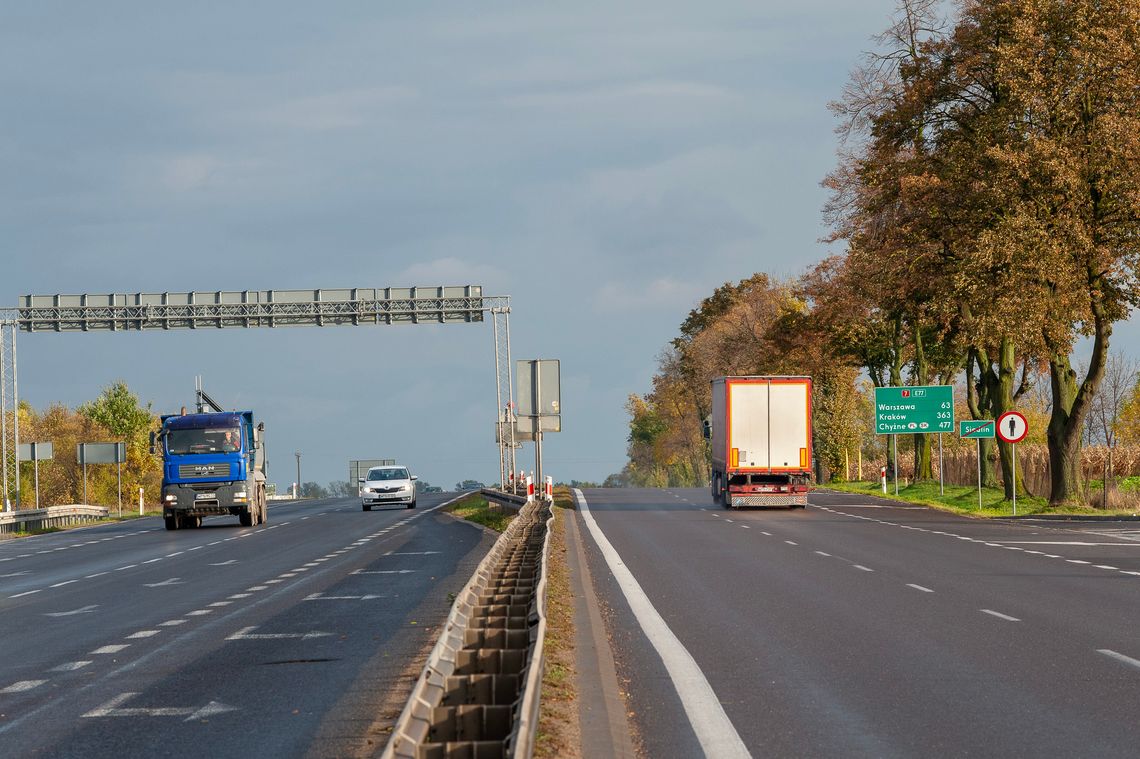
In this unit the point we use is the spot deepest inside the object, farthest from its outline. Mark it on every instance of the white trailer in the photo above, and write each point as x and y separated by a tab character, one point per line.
760	430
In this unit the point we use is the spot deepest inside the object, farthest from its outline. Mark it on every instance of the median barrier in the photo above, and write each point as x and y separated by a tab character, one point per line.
478	694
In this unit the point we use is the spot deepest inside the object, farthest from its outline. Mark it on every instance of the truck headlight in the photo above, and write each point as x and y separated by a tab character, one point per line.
239	495
170	498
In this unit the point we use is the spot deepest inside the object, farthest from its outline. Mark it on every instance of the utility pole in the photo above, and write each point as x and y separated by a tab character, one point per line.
297	495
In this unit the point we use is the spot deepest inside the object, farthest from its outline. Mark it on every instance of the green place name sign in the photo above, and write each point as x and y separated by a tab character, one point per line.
976	429
911	410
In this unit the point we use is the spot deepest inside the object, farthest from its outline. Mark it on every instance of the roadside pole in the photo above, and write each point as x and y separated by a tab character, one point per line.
1012	428
895	443
941	479
979	474
1014	447
120	477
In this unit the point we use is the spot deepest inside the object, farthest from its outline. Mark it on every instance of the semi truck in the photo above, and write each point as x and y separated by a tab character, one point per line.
213	462
761	438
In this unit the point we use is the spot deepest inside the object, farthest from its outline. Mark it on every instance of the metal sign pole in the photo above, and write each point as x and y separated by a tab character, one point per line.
120	474
979	474
36	468
941	479
895	443
1014	446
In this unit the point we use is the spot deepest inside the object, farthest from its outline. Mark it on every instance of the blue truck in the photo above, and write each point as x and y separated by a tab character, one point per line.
213	462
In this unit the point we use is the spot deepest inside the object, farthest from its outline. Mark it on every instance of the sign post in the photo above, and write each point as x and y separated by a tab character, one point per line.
37	452
1012	428
912	411
977	429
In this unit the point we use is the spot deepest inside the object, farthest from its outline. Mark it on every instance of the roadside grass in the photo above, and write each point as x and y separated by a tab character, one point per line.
964	500
475	508
558	731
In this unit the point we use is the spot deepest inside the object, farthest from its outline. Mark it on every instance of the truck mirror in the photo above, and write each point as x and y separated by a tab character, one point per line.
153	447
706	429
261	426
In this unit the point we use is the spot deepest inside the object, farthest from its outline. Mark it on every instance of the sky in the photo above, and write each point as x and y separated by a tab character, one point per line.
604	164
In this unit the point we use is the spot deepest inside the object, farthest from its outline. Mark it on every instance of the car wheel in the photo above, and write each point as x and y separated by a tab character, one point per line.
366	507
412	505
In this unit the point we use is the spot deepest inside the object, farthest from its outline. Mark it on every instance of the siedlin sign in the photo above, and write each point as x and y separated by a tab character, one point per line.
913	410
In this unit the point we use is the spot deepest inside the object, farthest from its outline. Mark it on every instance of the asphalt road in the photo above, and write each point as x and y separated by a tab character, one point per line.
289	639
857	628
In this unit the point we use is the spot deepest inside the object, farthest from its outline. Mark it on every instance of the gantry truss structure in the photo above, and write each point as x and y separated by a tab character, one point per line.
222	309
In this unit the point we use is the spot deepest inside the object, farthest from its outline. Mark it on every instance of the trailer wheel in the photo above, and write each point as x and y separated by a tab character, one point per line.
717	493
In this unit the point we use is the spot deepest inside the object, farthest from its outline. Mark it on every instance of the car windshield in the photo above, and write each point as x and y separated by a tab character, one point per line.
387	474
203	440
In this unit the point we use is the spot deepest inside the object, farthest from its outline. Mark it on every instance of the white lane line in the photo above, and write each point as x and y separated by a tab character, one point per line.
999	615
863	568
70	666
1104	566
143	634
111	649
822	553
22	686
766	533
287	574
195	548
791	542
746	527
129	566
273	582
221	603
236	596
714	730
97	574
729	521
919	587
61	584
200	612
25	593
176	553
173	623
1119	657
1076	561
257	587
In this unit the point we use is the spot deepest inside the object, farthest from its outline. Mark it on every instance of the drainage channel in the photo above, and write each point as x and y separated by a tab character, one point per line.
478	695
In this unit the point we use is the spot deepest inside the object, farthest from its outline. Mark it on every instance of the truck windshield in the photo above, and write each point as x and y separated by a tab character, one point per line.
203	440
387	474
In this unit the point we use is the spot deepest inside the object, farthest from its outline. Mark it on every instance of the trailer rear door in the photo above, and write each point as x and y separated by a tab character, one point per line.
790	422
748	424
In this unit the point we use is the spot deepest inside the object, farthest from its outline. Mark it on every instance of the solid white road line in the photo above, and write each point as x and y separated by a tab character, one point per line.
1119	657
999	615
919	587
714	730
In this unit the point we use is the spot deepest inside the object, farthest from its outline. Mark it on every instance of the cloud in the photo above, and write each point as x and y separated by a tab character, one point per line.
663	293
450	271
346	109
189	172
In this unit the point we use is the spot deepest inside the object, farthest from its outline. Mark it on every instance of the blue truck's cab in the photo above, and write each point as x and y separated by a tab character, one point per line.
212	463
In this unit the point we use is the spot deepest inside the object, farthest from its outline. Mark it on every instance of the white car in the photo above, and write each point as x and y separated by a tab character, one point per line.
388	484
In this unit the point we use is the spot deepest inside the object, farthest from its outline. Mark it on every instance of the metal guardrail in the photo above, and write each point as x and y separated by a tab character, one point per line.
53	516
515	502
478	694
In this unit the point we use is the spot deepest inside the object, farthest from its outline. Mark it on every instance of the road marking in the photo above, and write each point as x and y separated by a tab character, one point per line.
191	713
1132	544
999	615
164	583
791	542
236	596
919	587
22	686
221	603
225	563
97	574
195	548
1076	561
111	649
151	561
863	568
173	623
200	612
287	574
411	553
746	527
73	612
321	597
15	574
1104	566
766	533
381	571
1119	657
70	666
61	584
143	634
129	566
273	582
25	593
728	521
822	553
246	633
714	730
258	587
176	553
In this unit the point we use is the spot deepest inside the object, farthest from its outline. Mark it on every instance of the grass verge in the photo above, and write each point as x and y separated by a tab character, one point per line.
558	731
964	500
475	508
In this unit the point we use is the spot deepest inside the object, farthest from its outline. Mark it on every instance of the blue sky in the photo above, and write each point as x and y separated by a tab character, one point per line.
604	164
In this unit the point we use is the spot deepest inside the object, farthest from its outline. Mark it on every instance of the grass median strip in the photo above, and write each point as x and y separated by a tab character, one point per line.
475	508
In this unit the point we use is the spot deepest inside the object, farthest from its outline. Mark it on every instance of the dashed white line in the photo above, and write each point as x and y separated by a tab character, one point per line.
258	587
791	542
823	553
1104	566
129	566
919	587
1076	561
173	623
200	612
70	666
23	685
863	568
143	634
61	584
25	593
999	615
97	574
1119	657
221	603
114	649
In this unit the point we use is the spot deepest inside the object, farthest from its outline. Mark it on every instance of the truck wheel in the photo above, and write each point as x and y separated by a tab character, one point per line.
366	507
245	519
264	509
170	522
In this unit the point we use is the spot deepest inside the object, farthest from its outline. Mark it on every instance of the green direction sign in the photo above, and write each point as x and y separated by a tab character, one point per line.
910	410
976	428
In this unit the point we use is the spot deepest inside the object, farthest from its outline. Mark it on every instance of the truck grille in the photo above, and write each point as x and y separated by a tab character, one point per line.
190	471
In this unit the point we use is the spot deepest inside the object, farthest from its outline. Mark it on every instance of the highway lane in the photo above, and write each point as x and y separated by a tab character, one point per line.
279	640
855	627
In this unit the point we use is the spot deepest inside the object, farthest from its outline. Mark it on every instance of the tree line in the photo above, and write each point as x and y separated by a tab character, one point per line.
987	200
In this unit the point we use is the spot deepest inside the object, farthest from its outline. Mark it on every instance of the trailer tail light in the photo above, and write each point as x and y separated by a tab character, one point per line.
803	458
734	458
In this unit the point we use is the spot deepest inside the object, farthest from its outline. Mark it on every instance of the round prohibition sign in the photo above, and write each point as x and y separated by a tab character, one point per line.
1012	427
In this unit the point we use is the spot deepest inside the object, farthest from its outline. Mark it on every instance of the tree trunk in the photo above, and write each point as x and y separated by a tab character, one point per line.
999	383
978	401
923	468
895	377
1070	405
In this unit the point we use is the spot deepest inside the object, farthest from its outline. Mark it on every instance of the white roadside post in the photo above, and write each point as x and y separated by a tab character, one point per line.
140	500
883	477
